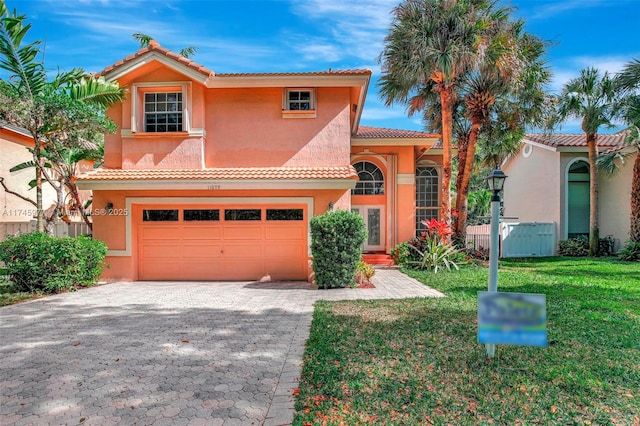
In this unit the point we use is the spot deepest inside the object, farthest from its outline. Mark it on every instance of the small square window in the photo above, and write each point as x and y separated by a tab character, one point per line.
299	100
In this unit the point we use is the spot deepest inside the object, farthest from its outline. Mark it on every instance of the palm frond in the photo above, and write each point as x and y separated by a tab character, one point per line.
97	91
189	51
141	38
17	59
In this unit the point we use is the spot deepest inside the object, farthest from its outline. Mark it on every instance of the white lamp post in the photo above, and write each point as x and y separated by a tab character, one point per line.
496	182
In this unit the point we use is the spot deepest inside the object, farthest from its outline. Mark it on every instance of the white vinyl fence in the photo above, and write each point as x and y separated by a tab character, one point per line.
524	239
61	229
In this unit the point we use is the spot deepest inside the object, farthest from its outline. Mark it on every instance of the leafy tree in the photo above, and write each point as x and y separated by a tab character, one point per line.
61	115
432	44
145	39
590	97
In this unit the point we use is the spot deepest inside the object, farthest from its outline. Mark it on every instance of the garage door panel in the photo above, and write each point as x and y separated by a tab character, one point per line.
205	232
284	249
242	251
248	233
286	269
166	270
252	270
297	233
160	249
201	249
198	270
159	233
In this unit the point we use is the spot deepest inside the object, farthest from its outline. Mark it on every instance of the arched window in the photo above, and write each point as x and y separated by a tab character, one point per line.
371	179
578	200
427	205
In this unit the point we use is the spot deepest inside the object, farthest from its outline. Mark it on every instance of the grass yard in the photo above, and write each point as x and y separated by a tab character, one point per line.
417	361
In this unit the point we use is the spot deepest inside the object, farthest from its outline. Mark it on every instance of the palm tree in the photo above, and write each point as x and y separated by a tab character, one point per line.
54	112
590	97
434	43
145	39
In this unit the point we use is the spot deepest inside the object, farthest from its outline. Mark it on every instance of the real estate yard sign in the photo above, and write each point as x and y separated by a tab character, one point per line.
512	318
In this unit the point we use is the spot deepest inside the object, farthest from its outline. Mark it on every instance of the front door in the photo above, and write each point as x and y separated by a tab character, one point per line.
374	219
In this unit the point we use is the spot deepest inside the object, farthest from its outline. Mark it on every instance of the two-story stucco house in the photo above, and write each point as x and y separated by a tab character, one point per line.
216	176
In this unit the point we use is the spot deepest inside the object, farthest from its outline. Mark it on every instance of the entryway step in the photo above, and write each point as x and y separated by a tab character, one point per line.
378	259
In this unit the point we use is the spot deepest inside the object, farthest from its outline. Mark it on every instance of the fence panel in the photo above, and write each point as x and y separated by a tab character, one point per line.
478	237
60	229
528	239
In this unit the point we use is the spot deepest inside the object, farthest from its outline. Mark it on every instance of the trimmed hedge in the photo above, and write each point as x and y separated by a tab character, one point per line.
336	246
40	262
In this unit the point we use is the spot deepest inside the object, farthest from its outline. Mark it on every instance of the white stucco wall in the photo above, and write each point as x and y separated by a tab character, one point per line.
532	191
615	201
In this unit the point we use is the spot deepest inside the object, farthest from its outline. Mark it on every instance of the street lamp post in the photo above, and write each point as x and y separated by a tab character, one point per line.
496	182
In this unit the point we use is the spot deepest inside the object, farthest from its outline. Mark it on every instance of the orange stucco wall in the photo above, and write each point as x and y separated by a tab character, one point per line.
245	128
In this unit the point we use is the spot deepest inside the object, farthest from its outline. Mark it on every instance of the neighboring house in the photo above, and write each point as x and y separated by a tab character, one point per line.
216	176
548	181
14	144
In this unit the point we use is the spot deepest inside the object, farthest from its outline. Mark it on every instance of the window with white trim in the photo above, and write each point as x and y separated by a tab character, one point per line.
163	112
299	100
371	179
427	190
160	107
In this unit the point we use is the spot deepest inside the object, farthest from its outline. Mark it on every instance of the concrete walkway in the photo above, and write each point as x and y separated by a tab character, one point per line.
160	353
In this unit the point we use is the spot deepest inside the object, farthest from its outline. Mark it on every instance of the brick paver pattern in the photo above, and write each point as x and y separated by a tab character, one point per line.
161	353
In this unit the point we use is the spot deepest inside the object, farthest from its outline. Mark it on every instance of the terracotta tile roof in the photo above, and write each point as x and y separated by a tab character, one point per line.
232	174
380	132
297	74
606	142
154	46
368	132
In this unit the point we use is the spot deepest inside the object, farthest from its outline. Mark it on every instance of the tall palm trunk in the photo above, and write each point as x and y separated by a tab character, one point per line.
463	142
446	100
594	231
463	187
634	232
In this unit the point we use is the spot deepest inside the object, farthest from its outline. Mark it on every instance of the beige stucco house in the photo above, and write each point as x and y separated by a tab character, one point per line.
548	181
14	144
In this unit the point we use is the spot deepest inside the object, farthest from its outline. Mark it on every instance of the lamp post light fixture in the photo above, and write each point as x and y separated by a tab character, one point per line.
495	179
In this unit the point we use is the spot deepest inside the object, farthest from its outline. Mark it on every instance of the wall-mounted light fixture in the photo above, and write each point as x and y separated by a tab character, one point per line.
330	206
109	207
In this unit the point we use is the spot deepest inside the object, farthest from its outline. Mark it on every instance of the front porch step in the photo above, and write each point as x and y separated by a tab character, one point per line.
378	259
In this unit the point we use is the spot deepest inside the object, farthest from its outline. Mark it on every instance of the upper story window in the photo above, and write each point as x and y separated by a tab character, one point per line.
299	103
161	107
371	179
163	112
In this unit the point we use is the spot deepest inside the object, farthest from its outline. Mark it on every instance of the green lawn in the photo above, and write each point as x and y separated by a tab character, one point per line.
417	361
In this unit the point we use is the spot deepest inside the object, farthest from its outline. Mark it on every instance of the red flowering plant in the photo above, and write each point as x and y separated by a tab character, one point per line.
432	249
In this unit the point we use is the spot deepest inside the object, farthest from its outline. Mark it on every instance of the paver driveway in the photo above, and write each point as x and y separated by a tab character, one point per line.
164	353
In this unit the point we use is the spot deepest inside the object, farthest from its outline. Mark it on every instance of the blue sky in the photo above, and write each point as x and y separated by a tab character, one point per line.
310	35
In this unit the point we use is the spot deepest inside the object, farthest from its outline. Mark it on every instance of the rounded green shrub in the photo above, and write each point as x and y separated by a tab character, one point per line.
40	262
336	246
